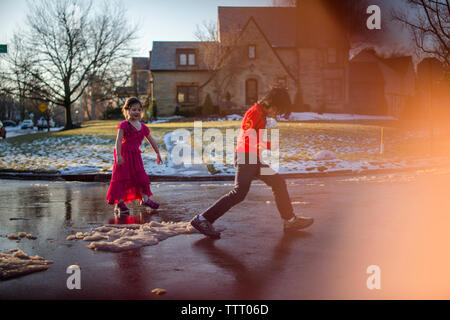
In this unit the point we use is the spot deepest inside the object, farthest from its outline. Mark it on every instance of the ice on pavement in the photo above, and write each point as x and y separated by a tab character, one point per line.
117	238
17	263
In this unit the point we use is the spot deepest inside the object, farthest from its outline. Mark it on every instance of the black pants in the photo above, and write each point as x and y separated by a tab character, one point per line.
245	173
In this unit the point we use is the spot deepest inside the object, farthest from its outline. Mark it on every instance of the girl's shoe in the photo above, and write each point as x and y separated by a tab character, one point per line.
121	208
149	203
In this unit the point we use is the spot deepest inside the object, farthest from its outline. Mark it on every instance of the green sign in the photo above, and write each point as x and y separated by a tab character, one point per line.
3	48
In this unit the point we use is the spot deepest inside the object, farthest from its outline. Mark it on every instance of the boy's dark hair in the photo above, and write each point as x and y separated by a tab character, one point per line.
127	106
278	98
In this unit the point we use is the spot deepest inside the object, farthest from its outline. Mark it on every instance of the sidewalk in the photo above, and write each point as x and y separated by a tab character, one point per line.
106	177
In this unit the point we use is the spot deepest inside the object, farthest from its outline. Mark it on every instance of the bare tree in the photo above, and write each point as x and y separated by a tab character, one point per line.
67	43
219	55
103	88
429	23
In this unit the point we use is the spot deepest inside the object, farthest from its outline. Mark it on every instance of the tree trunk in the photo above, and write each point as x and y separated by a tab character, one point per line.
92	117
69	124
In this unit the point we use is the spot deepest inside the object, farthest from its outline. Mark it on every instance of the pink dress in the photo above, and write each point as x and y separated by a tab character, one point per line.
129	180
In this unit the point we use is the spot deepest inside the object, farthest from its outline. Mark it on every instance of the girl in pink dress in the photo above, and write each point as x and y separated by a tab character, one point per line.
129	180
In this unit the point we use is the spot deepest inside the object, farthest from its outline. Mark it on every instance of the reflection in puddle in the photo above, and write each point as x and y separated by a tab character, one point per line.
142	218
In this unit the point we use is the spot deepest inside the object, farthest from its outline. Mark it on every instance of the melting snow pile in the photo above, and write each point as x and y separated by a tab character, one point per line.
178	144
17	263
117	238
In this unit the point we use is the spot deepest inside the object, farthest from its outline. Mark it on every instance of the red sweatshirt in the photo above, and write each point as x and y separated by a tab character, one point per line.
249	139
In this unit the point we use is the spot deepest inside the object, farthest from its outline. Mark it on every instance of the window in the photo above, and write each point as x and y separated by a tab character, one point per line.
251	91
251	52
182	59
332	55
187	94
333	89
191	60
186	57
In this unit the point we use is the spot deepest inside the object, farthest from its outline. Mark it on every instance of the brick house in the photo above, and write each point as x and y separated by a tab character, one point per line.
276	45
432	90
398	77
177	72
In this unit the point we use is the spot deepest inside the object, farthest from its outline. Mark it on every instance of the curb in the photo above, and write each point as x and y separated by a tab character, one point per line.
106	177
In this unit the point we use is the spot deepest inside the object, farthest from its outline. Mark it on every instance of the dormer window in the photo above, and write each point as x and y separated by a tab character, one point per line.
182	59
252	52
186	57
191	59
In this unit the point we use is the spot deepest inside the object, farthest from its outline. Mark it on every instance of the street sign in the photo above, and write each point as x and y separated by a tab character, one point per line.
3	48
42	107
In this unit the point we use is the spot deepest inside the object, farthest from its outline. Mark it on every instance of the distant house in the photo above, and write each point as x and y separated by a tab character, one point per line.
432	89
367	89
140	79
276	45
397	74
177	73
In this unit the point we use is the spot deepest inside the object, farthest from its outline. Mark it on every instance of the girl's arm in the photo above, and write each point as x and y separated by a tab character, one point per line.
118	146
155	147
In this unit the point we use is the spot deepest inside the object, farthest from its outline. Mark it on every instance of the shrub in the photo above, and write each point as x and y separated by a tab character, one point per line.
298	105
188	111
154	110
208	107
112	113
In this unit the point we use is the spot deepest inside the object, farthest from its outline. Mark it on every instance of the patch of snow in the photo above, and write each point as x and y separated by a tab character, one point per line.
19	263
271	123
17	131
234	117
324	155
116	238
72	169
231	117
166	119
307	116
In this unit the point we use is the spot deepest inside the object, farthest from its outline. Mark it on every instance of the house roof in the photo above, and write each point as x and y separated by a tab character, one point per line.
164	55
399	64
430	67
365	72
277	23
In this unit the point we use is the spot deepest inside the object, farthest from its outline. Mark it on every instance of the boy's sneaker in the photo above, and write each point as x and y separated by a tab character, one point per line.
149	203
205	227
121	208
298	223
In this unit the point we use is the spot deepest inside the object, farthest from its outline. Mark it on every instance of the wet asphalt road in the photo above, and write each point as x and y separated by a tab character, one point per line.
398	222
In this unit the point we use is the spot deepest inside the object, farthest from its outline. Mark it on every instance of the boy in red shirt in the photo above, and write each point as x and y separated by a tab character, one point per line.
248	167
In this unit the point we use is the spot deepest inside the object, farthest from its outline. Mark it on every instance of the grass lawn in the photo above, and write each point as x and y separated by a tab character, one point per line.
91	146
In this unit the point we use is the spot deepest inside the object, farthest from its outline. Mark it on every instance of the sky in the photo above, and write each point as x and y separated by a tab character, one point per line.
176	20
159	20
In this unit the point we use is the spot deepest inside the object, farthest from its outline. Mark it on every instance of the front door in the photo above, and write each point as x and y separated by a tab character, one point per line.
251	91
